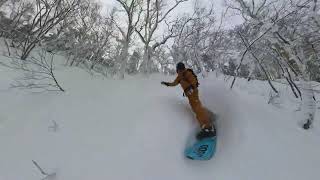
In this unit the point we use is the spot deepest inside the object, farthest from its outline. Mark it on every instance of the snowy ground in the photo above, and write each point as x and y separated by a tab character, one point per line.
137	129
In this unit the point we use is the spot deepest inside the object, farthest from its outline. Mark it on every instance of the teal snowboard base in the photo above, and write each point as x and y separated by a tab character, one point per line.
202	150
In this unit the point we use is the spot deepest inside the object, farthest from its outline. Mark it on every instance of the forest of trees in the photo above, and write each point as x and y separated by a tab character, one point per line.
276	39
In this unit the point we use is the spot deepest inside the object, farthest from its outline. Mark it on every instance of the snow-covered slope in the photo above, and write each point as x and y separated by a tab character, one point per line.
137	129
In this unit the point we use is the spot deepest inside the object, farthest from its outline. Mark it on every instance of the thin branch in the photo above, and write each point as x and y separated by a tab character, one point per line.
262	68
167	13
39	168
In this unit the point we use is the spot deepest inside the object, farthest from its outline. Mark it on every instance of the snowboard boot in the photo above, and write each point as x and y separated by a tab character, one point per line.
206	133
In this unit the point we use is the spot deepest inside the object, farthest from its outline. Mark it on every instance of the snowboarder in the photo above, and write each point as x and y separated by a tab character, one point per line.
189	83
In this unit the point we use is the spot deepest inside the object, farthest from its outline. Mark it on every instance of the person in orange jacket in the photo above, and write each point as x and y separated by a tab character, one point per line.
189	83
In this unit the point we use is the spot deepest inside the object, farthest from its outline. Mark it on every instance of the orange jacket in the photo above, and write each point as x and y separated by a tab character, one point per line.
186	79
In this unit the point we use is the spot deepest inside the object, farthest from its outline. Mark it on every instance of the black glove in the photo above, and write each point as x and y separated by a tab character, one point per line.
165	83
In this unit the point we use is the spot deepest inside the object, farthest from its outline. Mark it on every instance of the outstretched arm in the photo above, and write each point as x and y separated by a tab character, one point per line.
174	83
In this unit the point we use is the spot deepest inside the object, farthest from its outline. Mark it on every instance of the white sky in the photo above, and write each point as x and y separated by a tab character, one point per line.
219	7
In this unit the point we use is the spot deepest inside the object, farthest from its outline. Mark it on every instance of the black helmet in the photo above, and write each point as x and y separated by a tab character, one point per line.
180	66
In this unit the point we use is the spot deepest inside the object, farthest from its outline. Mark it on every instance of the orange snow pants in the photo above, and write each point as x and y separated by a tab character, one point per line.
201	113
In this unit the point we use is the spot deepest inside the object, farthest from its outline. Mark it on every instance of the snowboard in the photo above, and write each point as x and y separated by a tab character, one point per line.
203	149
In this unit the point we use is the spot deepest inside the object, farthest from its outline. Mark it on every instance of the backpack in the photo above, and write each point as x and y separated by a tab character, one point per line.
195	76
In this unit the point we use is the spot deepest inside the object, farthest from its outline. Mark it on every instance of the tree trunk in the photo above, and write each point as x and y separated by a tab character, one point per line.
197	55
123	59
146	60
308	105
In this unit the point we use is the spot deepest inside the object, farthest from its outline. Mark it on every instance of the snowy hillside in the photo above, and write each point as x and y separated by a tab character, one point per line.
137	129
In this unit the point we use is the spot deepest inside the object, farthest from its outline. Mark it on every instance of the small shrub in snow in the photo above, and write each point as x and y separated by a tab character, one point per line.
38	73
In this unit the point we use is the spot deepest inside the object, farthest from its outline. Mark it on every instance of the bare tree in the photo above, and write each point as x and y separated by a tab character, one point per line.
48	13
133	10
198	38
155	14
289	34
38	73
85	37
245	42
17	15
